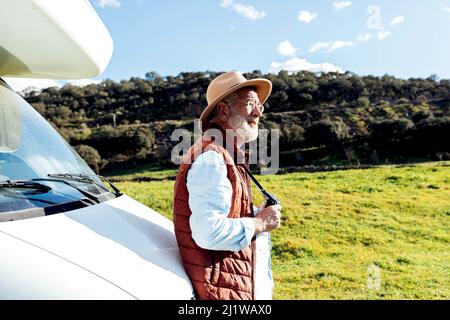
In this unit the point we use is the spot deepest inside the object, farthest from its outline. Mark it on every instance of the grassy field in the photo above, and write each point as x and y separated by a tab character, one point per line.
380	233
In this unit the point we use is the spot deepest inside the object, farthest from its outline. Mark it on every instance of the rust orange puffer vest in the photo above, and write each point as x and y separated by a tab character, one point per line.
215	275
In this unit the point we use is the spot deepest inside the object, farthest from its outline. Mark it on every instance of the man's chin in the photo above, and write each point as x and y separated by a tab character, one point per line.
252	135
248	132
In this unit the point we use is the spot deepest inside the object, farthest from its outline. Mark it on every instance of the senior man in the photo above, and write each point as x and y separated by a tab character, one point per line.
223	239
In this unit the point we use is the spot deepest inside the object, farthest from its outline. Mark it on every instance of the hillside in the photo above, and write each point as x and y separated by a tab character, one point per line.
322	118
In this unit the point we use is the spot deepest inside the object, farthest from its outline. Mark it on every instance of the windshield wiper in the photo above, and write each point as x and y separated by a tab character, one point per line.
38	188
86	179
87	194
25	184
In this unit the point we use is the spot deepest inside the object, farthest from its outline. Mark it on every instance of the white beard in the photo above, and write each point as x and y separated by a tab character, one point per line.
243	129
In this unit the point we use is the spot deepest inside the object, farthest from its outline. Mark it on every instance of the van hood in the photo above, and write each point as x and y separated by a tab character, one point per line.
120	240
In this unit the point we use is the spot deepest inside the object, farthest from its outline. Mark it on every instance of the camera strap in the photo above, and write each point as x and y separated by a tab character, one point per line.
266	195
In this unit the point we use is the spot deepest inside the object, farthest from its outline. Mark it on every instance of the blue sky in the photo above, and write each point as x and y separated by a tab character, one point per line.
404	38
171	36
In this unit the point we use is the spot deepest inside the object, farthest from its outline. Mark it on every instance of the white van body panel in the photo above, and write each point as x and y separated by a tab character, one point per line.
52	39
117	249
122	241
28	272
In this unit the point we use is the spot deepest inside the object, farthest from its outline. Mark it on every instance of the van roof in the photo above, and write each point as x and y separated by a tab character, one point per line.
52	39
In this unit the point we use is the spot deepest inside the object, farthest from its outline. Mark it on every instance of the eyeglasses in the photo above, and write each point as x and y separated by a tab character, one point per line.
250	106
253	103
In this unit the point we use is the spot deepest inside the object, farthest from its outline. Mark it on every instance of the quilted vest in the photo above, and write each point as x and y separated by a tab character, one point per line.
216	275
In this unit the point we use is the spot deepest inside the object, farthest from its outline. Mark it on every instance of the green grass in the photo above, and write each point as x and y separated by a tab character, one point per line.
337	224
145	171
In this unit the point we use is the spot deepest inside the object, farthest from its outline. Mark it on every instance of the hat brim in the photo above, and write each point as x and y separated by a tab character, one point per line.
263	90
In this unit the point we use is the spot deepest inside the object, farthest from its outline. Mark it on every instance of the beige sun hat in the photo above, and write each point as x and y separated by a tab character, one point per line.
227	83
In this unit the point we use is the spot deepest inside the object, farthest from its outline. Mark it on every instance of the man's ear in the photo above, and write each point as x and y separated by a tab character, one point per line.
223	110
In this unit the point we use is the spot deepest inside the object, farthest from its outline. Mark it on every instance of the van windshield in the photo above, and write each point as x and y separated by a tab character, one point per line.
30	148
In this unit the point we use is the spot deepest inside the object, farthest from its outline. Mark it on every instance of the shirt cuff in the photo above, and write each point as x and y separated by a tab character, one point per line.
249	227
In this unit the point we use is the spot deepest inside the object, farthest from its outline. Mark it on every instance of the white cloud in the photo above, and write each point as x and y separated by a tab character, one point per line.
383	34
108	3
339	44
306	16
297	64
286	48
397	20
446	9
363	37
28	84
319	46
330	46
21	84
83	82
244	10
339	5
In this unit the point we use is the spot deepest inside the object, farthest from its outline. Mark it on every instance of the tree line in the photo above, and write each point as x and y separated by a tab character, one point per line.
322	118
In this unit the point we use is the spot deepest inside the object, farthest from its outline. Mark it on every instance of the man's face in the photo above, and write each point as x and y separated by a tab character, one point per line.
245	114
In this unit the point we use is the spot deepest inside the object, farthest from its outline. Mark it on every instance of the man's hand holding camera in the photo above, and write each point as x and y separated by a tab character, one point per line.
268	219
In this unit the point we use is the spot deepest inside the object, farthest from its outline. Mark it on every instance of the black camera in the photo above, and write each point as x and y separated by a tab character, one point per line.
270	199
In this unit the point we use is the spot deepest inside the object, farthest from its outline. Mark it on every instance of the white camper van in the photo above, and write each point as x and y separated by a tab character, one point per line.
66	233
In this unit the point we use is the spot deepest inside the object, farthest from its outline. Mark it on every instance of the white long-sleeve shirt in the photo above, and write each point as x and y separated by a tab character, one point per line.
210	193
